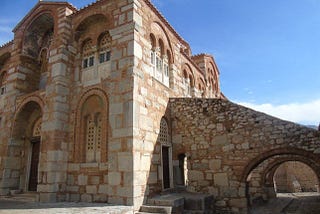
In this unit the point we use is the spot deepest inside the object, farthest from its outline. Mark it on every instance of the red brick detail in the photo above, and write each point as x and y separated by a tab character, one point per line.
280	151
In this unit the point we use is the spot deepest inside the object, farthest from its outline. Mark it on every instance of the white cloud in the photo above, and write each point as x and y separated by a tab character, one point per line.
304	113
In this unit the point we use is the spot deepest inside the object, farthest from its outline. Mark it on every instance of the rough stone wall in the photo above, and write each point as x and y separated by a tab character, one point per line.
224	142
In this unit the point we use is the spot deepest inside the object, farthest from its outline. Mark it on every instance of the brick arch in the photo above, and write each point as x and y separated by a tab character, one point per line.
164	118
33	98
86	21
36	29
78	135
253	163
268	173
35	16
186	67
27	102
153	40
167	39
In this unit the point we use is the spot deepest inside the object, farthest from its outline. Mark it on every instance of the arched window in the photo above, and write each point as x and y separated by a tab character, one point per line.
160	60
93	130
164	132
43	60
36	131
87	54
3	79
104	48
186	83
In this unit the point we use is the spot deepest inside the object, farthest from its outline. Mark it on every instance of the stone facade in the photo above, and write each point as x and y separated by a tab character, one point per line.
89	111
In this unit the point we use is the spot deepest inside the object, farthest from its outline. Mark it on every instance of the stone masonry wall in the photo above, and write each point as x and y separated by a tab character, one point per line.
224	142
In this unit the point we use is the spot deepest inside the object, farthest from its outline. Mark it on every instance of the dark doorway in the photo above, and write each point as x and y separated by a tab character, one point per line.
165	167
33	176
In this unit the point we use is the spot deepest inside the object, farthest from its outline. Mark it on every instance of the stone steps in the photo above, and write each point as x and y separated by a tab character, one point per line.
155	209
181	202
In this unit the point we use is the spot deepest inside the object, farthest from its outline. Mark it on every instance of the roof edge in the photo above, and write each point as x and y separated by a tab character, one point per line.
41	3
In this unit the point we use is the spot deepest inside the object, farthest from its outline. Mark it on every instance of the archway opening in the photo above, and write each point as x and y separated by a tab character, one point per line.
24	148
293	177
279	178
37	41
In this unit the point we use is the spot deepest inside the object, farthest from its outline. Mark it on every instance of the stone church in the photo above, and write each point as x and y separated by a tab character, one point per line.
107	104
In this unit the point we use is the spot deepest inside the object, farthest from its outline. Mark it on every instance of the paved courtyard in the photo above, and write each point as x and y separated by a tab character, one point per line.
290	203
285	203
8	206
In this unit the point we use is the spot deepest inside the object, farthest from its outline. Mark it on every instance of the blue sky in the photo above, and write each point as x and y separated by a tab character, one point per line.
267	51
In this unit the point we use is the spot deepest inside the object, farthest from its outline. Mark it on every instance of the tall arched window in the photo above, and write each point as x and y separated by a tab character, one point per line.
186	83
87	54
104	48
160	60
93	130
164	132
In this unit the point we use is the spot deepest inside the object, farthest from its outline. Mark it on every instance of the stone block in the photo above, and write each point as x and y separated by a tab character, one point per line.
73	188
125	162
74	197
114	178
48	188
73	167
86	198
125	191
56	177
195	175
91	189
215	164
82	180
94	180
48	197
220	140
238	202
103	189
221	179
115	200
101	198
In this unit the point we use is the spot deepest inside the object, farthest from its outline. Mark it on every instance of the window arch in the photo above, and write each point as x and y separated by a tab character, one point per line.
91	129
186	83
160	60
164	136
3	80
104	47
87	54
36	131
